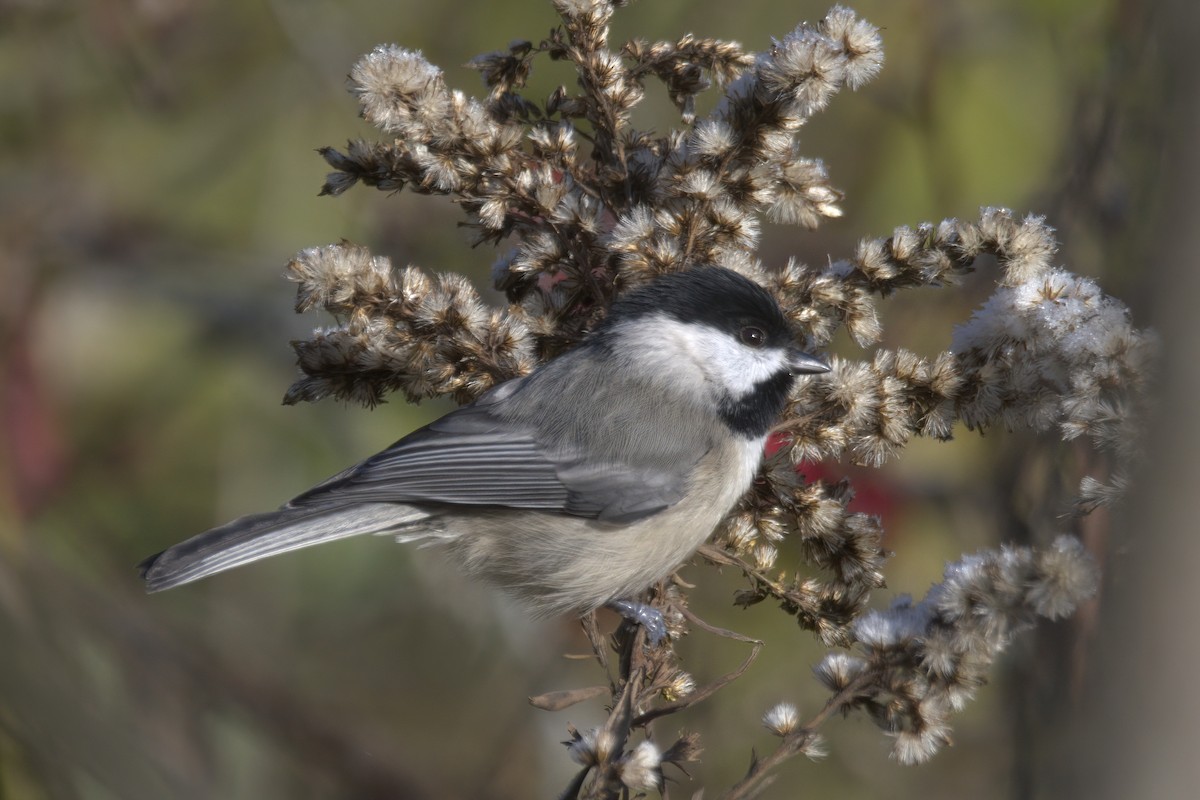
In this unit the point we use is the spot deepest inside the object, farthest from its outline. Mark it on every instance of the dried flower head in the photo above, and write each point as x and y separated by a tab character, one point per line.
781	719
591	747
641	768
681	685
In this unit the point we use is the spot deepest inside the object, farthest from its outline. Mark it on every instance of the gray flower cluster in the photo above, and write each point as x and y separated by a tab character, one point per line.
922	661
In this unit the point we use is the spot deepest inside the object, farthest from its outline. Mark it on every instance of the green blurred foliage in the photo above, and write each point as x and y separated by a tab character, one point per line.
159	171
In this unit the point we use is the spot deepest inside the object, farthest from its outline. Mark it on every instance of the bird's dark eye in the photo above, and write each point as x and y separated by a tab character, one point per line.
753	337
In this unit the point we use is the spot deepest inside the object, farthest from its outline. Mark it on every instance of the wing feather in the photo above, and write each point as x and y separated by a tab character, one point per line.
484	455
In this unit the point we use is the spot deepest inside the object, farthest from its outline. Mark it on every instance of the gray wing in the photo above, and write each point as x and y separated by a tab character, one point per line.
476	456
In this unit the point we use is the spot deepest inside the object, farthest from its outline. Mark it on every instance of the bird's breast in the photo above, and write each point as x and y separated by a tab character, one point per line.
558	563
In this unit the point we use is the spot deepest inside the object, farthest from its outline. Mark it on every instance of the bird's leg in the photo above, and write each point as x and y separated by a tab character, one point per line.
650	618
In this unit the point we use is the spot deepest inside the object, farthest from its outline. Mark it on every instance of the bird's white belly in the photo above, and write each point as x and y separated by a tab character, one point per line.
557	563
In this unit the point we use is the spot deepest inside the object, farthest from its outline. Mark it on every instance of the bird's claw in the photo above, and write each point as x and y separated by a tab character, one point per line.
650	618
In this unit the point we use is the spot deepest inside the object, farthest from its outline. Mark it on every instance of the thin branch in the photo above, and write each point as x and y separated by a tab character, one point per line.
794	743
703	693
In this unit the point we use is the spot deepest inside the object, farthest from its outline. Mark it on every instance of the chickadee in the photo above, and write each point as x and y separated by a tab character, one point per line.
580	484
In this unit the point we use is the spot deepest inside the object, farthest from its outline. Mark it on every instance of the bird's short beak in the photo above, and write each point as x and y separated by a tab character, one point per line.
802	363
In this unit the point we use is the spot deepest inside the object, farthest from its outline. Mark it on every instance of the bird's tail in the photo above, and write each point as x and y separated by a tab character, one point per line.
258	536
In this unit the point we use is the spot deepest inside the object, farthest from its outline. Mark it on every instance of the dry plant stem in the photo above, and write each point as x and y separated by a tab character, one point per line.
713	629
724	558
635	689
704	692
616	729
598	643
760	578
794	743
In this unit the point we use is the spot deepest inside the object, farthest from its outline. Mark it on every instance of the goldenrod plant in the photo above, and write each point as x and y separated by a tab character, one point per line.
584	205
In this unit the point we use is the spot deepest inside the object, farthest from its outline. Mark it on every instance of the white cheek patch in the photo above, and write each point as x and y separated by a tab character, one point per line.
677	351
738	368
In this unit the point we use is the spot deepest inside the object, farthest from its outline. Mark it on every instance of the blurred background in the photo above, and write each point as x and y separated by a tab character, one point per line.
158	171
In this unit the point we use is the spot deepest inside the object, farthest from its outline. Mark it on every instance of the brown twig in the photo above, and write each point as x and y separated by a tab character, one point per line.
794	743
703	693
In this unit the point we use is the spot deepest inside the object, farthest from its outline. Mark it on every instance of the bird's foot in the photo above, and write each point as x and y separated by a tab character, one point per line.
650	618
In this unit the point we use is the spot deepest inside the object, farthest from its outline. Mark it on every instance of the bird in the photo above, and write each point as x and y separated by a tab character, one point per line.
580	484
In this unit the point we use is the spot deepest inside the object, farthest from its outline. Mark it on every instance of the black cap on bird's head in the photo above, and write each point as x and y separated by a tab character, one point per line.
722	299
713	296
